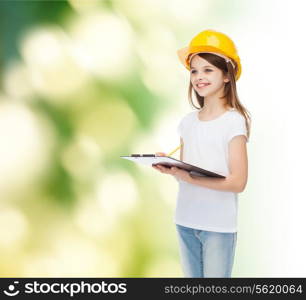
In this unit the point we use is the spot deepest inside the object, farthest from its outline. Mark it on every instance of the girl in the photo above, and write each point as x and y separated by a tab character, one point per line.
212	137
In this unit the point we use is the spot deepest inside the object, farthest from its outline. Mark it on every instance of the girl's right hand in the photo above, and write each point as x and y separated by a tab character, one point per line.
160	154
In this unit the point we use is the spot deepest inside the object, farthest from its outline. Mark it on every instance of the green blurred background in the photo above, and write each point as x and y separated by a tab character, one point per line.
85	81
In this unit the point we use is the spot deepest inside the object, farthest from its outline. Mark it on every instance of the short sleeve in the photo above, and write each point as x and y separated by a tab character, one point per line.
238	127
184	124
180	128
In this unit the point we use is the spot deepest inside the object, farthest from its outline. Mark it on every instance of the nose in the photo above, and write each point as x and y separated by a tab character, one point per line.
199	77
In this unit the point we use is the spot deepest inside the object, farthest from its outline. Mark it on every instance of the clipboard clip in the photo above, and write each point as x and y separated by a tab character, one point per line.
143	155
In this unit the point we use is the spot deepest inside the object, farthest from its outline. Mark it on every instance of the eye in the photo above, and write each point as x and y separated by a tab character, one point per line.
193	71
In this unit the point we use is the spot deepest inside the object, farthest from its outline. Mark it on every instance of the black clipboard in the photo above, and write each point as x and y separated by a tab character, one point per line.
167	161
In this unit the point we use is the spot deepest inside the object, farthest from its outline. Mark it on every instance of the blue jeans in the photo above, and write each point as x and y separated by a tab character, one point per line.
206	253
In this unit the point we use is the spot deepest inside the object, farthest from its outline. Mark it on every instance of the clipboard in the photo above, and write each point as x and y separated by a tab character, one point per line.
167	161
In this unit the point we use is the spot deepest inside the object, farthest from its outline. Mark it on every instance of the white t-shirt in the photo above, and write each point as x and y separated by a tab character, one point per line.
206	146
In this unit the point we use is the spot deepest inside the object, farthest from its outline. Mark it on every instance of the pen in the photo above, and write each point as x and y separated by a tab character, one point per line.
174	150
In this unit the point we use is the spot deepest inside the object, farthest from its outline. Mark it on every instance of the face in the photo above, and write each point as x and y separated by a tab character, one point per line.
203	72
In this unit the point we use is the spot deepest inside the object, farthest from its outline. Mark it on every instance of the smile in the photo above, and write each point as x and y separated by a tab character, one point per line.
202	85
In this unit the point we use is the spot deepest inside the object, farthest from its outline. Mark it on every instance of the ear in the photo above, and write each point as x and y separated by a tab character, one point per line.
226	80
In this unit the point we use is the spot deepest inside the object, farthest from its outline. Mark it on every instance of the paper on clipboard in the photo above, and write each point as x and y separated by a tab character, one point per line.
151	159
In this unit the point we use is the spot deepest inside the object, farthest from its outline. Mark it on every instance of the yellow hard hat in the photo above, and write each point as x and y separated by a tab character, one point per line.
211	41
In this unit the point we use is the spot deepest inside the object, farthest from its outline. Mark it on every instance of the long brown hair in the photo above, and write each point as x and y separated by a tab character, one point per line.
230	91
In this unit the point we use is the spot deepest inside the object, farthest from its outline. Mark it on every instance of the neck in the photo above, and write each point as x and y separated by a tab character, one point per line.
213	104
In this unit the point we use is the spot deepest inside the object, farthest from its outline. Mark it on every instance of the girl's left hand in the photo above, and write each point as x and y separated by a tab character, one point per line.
177	172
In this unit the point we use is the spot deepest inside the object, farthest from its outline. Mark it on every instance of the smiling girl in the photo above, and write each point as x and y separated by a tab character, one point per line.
212	137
